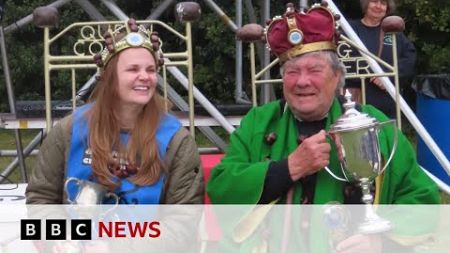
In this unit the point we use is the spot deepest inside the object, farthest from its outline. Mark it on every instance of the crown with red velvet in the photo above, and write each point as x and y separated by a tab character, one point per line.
296	33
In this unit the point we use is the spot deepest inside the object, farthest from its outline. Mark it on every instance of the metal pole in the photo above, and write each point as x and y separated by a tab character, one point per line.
28	19
160	9
48	102
391	90
253	73
180	103
252	18
266	89
12	104
28	149
86	88
115	9
303	5
90	10
202	100
74	90
239	95
190	79
250	11
222	15
8	152
397	87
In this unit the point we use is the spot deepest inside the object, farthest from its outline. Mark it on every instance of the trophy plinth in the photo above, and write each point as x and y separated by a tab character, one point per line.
356	136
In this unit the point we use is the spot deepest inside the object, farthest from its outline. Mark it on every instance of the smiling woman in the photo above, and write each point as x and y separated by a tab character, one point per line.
123	140
136	70
380	43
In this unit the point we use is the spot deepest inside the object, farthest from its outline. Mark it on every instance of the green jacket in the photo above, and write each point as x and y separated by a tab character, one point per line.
239	178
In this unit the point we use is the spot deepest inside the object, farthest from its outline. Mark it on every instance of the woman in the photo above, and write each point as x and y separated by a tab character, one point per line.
377	42
123	140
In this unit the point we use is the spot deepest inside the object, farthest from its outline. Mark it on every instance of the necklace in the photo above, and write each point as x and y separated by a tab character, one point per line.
120	167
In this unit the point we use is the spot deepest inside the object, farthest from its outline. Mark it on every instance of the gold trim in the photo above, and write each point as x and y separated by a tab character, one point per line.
291	22
307	48
378	185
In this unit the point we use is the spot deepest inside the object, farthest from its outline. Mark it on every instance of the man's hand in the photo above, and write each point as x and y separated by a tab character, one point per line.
377	82
360	243
312	155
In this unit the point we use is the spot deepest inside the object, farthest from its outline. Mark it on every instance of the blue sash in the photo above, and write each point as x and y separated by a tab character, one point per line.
79	162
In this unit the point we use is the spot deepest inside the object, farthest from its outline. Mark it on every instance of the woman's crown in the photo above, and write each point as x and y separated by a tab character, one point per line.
129	35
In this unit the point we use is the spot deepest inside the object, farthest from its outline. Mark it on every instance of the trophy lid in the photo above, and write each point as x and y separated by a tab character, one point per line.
352	119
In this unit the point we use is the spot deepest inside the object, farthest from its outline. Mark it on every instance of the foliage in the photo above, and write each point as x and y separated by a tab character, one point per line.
427	22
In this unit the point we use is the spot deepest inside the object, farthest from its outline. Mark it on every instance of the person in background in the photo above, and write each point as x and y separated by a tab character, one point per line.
379	43
123	140
279	152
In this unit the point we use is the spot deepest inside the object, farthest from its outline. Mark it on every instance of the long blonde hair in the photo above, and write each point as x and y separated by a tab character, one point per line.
104	132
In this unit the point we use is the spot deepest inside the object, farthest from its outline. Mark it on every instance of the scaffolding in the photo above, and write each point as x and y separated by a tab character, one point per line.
173	61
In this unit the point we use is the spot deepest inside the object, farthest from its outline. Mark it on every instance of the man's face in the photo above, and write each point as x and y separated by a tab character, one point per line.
309	85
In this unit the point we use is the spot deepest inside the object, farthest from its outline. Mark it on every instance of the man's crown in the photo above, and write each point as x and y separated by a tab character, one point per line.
296	33
126	36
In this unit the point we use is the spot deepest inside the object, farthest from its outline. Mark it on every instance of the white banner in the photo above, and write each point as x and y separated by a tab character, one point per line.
224	228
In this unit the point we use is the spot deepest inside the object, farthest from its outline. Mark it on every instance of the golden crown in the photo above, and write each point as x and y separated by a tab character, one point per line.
129	35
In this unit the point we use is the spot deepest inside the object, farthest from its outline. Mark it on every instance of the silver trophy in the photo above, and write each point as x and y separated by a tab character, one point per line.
89	193
356	136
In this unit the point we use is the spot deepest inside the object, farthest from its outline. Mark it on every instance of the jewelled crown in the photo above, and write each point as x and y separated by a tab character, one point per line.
125	36
296	33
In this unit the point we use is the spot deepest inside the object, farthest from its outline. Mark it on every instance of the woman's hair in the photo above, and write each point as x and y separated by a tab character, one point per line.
104	132
390	6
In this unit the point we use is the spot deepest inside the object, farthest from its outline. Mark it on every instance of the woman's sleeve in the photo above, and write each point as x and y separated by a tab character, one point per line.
47	179
185	183
406	56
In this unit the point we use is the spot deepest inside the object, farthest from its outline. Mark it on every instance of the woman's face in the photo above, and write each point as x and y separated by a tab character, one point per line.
376	9
136	72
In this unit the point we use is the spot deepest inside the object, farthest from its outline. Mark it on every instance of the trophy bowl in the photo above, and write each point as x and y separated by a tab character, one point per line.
359	152
88	193
357	139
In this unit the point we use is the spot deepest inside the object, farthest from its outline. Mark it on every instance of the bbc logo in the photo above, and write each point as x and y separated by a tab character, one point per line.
55	229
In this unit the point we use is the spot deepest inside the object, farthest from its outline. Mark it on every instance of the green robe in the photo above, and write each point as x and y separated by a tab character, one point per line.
239	178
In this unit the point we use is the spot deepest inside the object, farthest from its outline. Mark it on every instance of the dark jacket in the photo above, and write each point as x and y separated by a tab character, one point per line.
406	53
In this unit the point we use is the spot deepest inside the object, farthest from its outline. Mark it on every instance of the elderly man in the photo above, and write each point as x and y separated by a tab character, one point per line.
281	148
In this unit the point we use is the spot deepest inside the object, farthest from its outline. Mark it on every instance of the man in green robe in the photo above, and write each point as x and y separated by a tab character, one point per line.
280	150
264	159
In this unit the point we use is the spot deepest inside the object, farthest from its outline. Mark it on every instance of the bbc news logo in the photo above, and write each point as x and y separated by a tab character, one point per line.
56	229
81	229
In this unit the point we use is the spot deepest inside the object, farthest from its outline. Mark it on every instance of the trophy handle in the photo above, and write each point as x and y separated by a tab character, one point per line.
113	195
334	175
109	210
66	189
330	136
394	146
